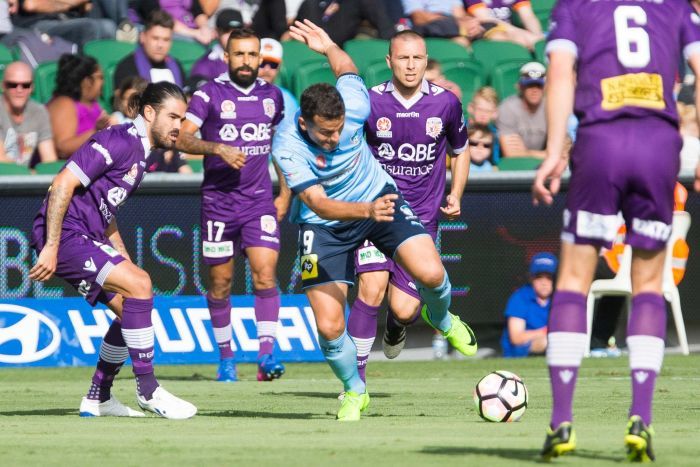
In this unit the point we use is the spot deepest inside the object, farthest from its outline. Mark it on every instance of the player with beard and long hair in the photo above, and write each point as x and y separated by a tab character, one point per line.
236	114
76	237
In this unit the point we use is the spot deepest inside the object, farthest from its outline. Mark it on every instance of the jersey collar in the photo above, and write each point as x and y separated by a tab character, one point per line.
140	125
408	103
225	78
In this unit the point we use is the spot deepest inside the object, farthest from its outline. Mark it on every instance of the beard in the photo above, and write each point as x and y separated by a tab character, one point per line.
162	137
240	80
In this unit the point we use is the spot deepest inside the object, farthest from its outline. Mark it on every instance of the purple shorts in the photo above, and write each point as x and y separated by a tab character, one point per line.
85	264
228	228
368	258
626	166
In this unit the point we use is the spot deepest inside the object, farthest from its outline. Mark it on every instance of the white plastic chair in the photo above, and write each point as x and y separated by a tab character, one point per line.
621	284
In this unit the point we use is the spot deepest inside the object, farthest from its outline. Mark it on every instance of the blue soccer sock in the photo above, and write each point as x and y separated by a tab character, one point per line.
341	355
438	303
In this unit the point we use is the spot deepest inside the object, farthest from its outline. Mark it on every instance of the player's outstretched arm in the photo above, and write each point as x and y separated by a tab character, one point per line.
60	194
318	41
559	91
189	143
115	239
379	210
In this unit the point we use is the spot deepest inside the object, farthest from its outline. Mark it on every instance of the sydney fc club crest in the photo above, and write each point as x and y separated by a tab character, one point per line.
433	127
269	107
228	109
321	161
383	127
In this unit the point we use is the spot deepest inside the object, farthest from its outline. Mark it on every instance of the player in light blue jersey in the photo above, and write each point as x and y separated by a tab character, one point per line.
342	197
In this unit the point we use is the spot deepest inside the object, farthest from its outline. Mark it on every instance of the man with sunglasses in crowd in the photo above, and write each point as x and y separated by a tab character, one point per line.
271	54
25	130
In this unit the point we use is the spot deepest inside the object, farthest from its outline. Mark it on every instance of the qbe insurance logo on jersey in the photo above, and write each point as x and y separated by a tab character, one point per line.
26	335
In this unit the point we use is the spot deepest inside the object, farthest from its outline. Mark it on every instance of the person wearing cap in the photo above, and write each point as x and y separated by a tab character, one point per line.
271	54
527	311
521	123
213	63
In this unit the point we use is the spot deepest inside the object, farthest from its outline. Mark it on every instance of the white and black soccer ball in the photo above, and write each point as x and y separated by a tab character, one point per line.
500	396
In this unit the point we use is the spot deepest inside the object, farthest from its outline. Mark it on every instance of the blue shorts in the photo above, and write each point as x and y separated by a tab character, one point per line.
327	253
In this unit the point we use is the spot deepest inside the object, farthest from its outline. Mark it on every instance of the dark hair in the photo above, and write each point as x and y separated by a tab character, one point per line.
432	64
130	82
240	33
72	70
405	34
479	128
159	18
323	100
154	95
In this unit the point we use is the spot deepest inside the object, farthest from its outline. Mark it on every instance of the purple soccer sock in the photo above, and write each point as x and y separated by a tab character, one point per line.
567	342
646	331
362	329
137	330
113	354
220	312
267	310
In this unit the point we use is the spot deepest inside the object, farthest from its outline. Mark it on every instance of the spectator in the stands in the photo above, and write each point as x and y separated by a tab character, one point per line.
267	18
74	110
480	149
25	130
433	73
271	53
130	86
150	60
212	63
167	160
483	110
190	21
76	20
441	18
496	18
341	20
522	127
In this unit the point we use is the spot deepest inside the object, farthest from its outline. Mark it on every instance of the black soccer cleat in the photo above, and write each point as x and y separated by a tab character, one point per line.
394	341
559	441
638	440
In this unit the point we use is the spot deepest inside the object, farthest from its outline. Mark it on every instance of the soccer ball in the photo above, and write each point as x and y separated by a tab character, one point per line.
500	396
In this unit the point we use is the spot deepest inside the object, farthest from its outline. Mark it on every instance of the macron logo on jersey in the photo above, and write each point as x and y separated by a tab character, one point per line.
102	150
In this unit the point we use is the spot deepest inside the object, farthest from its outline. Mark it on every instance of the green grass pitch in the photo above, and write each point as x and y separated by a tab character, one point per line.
421	414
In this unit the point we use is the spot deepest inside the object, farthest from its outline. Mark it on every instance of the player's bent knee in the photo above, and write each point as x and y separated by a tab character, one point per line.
330	329
139	284
265	279
431	277
370	294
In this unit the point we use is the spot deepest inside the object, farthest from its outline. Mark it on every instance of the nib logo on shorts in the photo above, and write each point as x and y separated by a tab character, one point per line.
641	376
90	265
565	376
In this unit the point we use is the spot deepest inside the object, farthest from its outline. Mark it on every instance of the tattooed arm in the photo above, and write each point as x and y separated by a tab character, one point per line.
116	239
60	194
189	143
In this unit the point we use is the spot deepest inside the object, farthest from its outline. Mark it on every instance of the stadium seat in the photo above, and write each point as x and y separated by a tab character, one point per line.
49	168
543	11
108	52
539	51
108	88
296	55
6	58
10	168
312	74
445	50
376	73
187	53
367	52
44	81
197	165
467	75
490	54
504	78
518	163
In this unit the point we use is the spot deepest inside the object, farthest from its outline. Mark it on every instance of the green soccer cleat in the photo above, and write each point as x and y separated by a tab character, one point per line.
638	440
352	405
460	335
559	441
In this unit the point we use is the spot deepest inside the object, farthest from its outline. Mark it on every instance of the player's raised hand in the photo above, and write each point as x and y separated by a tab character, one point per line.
382	209
45	265
551	170
232	156
453	208
312	35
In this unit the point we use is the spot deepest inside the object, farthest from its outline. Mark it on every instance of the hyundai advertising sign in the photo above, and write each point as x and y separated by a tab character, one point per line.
68	331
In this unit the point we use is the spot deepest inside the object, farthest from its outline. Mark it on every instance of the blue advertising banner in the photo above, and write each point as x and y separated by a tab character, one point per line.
68	331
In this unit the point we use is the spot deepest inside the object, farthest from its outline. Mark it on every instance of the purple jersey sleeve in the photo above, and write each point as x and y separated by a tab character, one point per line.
690	33
456	129
198	108
562	29
90	161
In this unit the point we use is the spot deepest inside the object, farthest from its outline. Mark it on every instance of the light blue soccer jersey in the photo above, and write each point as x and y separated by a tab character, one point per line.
348	173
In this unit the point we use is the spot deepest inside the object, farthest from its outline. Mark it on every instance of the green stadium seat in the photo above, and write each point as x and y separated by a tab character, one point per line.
44	81
296	56
10	168
367	52
518	163
108	52
49	168
467	75
491	53
504	78
108	88
6	57
539	51
376	73
187	53
197	165
312	74
445	50
543	11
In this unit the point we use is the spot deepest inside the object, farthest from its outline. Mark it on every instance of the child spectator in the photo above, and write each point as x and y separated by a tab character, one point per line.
480	147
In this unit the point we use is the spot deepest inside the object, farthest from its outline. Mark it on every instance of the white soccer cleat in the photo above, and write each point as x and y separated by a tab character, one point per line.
109	408
166	405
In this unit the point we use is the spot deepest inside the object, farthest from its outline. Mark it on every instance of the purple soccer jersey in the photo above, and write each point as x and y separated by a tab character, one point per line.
627	54
500	9
243	118
409	139
210	65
